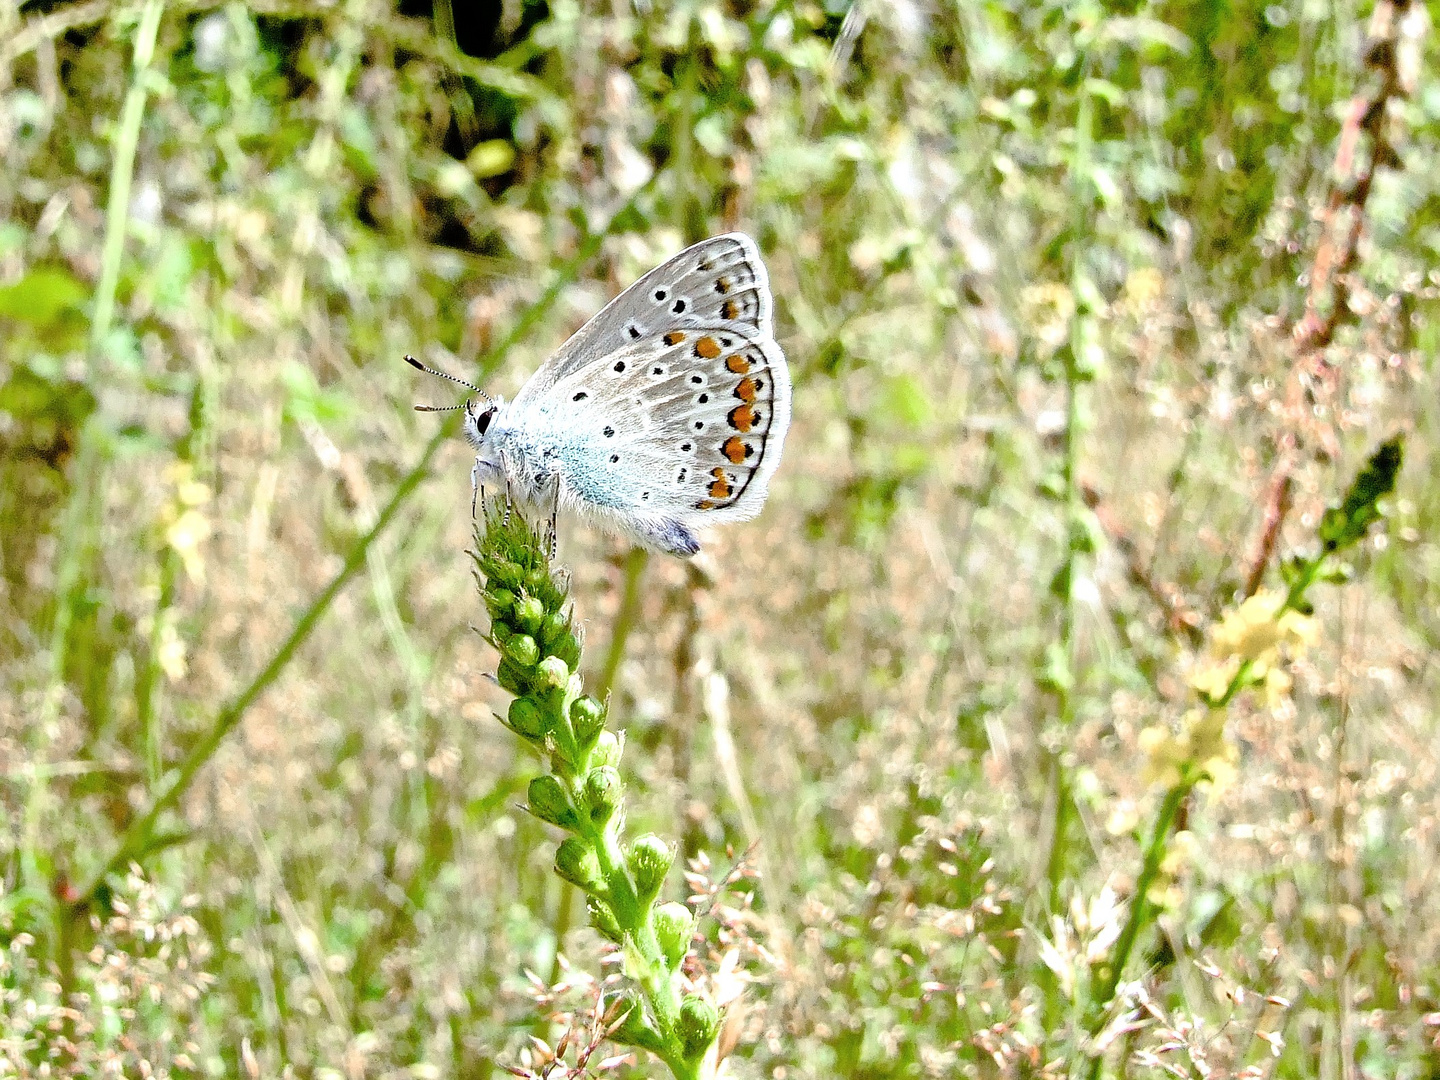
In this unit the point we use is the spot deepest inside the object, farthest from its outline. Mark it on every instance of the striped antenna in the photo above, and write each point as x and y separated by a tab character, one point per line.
442	375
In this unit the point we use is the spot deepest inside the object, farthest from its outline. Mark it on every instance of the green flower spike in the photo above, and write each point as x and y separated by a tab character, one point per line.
583	794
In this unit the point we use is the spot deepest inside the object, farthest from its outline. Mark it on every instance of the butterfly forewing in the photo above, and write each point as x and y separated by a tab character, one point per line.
717	282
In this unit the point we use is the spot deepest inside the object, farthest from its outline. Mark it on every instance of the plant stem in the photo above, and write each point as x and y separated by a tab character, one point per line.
1081	328
136	838
636	559
77	523
1140	909
122	173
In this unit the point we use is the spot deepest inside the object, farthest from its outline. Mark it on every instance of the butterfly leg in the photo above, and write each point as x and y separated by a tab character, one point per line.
555	521
476	493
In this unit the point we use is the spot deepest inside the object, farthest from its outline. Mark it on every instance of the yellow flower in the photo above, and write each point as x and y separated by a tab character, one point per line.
170	653
193	493
1199	749
1143	286
190	530
1050	307
1212	679
1252	631
1164	754
1254	634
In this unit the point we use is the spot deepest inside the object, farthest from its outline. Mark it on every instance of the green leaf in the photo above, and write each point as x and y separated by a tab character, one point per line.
1344	525
42	296
905	400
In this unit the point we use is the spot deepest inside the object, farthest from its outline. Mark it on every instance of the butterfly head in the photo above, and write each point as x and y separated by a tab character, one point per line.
478	419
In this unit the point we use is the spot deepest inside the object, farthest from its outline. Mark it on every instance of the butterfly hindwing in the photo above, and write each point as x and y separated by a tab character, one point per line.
685	425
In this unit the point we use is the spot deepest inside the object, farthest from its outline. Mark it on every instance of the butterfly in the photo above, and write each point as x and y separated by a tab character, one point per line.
663	414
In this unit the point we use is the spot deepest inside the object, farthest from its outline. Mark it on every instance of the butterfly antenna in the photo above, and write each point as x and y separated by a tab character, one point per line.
443	375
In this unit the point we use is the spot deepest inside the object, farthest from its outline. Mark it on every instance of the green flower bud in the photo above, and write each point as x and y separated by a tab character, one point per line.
635	1029
550	802
504	572
567	648
522	649
603	791
576	863
501	633
603	919
696	1025
529	614
607	749
649	860
587	717
512	676
674	926
554	672
527	719
538	581
498	601
557	625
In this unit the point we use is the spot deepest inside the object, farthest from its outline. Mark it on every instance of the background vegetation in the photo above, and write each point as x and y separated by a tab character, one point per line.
1036	267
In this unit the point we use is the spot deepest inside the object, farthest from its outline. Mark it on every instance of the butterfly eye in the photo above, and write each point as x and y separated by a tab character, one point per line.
482	421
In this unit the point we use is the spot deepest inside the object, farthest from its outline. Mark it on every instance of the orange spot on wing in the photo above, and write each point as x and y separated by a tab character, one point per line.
730	310
722	285
746	390
707	348
674	337
738	364
742	418
720	486
735	449
704	504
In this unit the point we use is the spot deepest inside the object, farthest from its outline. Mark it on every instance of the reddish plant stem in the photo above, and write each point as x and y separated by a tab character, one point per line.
1180	617
1313	380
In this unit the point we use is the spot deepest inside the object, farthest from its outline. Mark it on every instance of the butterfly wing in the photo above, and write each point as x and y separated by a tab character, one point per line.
678	430
718	283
